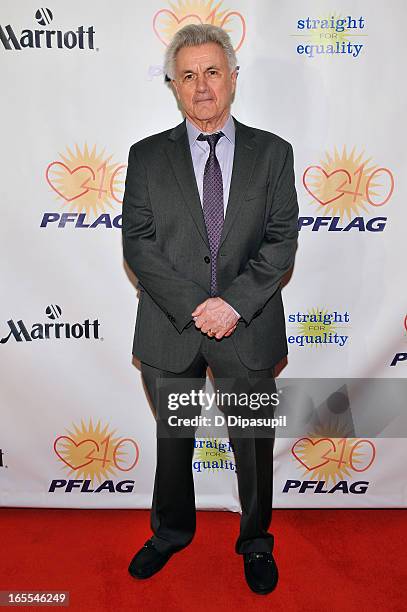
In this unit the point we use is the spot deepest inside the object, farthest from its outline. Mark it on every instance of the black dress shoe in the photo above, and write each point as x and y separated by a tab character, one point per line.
261	571
148	561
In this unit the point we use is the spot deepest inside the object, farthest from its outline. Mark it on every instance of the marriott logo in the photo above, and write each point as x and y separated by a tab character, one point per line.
14	39
55	330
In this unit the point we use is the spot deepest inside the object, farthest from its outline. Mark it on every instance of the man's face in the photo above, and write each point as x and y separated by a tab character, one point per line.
203	82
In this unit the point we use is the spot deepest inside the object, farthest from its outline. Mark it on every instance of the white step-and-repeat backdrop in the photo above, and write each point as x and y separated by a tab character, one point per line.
82	81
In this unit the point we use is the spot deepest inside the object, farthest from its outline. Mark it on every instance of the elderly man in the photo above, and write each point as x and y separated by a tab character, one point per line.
210	220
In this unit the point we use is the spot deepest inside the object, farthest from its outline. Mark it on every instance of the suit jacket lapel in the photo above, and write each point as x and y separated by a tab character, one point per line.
243	164
179	154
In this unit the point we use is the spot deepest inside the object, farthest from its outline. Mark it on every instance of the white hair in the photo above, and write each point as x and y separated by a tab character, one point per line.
198	34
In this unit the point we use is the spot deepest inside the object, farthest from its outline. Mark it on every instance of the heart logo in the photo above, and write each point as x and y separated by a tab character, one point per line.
235	21
167	22
330	185
85	452
314	451
74	180
165	19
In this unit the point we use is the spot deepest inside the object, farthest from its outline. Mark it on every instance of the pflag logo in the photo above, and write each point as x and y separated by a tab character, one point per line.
349	190
331	35
88	187
213	454
328	463
330	458
92	456
166	22
402	356
319	327
16	39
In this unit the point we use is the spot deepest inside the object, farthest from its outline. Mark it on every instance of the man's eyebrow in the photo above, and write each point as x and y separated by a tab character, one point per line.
188	70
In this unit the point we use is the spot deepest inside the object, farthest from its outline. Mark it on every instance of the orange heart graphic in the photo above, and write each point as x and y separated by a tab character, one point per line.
186	20
235	19
78	183
328	184
84	455
160	23
315	454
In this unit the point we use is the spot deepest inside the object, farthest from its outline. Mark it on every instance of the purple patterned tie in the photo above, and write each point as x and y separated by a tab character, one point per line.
213	202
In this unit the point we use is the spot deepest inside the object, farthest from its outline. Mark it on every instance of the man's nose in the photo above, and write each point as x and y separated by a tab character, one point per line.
201	83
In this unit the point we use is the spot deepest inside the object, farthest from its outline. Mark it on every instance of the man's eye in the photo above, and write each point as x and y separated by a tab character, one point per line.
212	72
188	77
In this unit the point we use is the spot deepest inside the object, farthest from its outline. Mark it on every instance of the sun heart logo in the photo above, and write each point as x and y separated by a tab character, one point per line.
94	453
167	22
87	185
344	187
326	458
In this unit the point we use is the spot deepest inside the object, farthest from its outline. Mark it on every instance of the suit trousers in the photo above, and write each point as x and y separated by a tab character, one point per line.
173	512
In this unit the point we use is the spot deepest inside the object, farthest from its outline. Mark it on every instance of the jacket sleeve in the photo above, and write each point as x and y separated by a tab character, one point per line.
261	277
174	294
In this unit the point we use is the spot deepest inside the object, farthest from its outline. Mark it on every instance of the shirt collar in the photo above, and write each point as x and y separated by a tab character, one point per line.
228	129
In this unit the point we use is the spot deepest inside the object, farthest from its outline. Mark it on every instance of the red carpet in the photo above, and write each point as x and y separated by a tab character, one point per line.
329	560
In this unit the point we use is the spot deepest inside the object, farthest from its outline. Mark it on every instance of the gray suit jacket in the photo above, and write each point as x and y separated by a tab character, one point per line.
166	246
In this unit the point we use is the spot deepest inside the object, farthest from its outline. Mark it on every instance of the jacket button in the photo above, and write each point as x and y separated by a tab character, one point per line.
207	259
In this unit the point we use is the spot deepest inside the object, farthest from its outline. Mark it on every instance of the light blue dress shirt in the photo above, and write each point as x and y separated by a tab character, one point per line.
225	150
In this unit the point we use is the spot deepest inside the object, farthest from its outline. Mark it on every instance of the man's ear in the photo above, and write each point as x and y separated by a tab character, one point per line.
233	76
175	88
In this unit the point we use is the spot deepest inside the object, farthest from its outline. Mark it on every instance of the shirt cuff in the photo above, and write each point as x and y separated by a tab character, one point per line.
235	311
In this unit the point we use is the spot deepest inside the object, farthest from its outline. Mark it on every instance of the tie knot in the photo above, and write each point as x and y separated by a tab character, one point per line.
211	138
